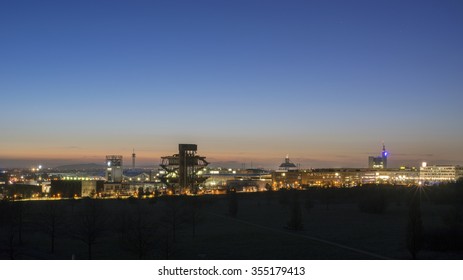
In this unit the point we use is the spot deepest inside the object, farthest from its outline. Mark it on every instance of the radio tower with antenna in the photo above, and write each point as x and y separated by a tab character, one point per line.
133	159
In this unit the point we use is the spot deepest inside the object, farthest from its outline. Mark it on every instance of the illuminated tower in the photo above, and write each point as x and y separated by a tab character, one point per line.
384	155
114	168
133	159
379	162
182	170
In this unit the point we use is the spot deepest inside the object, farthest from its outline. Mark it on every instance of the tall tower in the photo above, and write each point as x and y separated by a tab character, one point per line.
384	155
182	169
133	159
187	164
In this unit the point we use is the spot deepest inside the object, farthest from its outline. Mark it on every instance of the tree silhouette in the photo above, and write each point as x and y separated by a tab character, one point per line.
138	231
233	204
19	210
140	192
165	242
295	218
50	220
9	227
283	196
308	204
194	213
90	224
327	196
415	226
173	214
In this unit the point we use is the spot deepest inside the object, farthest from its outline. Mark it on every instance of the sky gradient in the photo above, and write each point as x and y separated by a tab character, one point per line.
323	81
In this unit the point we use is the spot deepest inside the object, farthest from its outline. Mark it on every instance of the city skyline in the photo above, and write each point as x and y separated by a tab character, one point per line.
144	161
248	81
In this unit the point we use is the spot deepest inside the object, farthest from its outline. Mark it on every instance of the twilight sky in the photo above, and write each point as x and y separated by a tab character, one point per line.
323	81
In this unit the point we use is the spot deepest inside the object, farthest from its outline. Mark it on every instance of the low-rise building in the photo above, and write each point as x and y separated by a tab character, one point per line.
430	174
287	175
75	188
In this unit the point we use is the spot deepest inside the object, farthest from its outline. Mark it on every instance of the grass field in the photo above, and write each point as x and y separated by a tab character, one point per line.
332	227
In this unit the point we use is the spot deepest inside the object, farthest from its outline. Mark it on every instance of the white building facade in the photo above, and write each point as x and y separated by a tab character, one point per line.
440	173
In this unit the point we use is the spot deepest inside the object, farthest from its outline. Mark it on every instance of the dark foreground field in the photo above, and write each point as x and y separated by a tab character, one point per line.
359	223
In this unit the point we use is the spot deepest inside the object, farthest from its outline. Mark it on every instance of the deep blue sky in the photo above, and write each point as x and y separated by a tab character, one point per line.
325	81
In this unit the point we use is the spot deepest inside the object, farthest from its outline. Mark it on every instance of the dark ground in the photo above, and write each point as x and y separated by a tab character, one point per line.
332	224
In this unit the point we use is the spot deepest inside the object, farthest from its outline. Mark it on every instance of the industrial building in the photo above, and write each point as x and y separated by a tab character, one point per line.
75	188
21	191
181	172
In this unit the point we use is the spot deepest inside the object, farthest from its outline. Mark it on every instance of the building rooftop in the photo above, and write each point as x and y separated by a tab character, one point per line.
287	165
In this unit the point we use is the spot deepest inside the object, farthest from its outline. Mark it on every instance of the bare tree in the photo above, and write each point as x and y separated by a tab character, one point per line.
173	214
90	224
327	196
19	216
138	231
165	243
51	219
233	204
295	212
9	227
194	213
414	227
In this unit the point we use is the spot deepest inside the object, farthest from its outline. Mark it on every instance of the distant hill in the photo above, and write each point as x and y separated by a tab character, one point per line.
83	166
